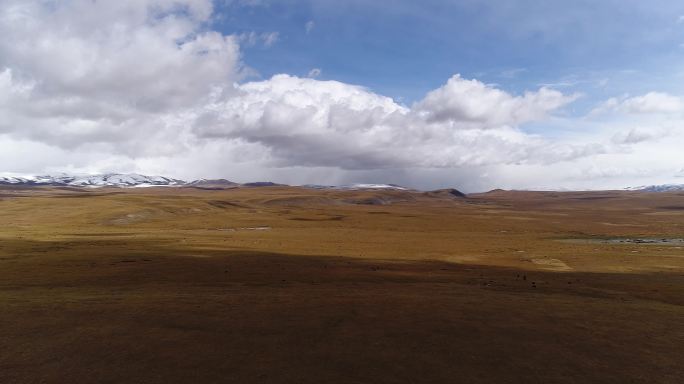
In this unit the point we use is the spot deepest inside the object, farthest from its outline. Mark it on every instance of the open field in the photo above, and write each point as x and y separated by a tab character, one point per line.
288	285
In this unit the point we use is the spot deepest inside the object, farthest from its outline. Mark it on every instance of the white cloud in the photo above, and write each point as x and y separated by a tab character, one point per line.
512	73
654	102
650	103
252	38
314	73
472	102
640	135
309	26
123	74
270	38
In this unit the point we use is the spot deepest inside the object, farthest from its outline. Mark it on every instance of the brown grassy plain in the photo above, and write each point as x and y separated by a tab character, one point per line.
288	285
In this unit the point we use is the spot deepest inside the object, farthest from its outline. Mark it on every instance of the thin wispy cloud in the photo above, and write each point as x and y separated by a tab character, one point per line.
309	26
314	73
512	73
266	39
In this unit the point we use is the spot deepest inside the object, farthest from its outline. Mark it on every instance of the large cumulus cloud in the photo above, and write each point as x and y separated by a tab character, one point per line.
306	122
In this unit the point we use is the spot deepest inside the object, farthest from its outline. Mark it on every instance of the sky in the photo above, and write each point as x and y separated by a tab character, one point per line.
471	94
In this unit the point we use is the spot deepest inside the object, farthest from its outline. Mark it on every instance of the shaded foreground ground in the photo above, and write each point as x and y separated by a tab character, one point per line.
155	287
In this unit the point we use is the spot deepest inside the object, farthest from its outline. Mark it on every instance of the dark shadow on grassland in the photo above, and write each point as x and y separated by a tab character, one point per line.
122	310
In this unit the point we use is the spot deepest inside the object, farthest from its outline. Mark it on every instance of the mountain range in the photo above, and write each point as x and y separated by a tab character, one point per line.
134	180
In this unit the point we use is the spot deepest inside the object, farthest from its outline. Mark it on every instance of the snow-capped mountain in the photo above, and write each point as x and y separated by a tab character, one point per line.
4	180
104	180
658	188
124	180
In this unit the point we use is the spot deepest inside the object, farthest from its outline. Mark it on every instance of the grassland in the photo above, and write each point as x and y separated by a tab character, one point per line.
287	285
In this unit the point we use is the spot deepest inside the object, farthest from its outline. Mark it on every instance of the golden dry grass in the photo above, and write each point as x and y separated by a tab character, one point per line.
287	285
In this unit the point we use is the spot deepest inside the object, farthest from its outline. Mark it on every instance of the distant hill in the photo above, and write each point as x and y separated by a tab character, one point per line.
658	188
212	184
262	184
450	192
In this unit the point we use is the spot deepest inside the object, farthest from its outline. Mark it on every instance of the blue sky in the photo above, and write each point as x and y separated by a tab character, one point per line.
470	94
403	48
